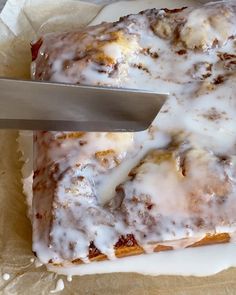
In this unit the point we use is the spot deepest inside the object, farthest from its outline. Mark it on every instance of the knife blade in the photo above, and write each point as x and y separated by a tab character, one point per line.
34	105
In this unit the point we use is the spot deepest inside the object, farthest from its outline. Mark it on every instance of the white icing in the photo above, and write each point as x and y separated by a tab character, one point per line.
37	263
59	286
201	261
69	278
6	276
219	26
190	199
183	114
106	190
25	143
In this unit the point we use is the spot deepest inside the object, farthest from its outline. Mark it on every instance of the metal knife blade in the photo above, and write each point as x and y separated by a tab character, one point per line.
33	105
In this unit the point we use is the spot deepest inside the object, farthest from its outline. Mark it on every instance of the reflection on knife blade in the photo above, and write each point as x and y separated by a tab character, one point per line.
35	105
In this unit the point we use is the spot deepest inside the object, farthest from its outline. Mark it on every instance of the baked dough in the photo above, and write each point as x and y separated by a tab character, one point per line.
172	186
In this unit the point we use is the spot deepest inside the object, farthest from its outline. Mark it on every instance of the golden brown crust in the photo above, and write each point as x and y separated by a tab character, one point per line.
123	249
212	239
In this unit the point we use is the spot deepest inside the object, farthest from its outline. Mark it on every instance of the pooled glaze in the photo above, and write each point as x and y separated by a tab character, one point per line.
71	198
59	287
199	261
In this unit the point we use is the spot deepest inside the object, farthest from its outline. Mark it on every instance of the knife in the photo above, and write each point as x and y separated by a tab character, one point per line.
34	105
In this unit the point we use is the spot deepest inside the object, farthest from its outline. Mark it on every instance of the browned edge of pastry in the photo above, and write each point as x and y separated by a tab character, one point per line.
127	246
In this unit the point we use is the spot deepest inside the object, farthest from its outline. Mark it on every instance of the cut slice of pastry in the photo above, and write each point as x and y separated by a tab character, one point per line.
108	195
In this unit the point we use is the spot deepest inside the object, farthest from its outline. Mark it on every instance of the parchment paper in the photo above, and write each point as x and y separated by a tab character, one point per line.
19	22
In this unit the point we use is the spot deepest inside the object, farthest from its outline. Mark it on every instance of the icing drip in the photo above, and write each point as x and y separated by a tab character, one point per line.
59	287
6	276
